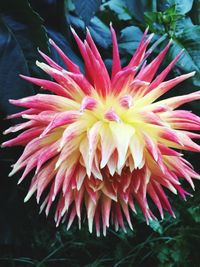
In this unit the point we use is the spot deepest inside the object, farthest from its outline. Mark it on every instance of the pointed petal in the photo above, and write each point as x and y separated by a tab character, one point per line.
48	85
107	145
162	89
24	138
105	211
116	65
42	102
150	70
122	134
160	78
50	61
70	65
136	148
177	101
61	119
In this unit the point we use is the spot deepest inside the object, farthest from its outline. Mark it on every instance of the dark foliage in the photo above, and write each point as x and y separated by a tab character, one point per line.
27	238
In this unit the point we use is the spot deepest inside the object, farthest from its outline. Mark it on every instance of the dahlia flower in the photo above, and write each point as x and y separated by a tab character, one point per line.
101	143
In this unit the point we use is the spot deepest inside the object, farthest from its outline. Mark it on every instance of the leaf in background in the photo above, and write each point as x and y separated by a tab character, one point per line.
189	40
99	31
22	12
119	7
27	28
182	6
137	8
153	19
185	35
12	63
164	22
195	213
76	22
195	12
86	10
156	226
129	39
27	43
182	24
52	13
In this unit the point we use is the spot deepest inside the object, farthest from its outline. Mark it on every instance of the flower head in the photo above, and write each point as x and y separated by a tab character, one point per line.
100	144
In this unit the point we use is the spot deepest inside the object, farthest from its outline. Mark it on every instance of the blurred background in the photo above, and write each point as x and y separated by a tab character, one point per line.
29	239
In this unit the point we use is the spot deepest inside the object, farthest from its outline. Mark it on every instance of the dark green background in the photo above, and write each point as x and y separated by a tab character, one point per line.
29	239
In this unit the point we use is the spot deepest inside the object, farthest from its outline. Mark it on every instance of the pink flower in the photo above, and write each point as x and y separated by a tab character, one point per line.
101	143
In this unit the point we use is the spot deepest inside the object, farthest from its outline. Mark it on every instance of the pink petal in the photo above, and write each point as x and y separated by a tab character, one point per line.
48	85
160	78
50	61
70	65
149	71
61	119
24	138
42	102
105	210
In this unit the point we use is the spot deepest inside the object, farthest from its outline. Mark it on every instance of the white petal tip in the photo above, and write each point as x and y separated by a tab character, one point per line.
58	163
72	29
26	198
19	182
63	212
11	174
192	73
51	41
38	63
151	35
98	234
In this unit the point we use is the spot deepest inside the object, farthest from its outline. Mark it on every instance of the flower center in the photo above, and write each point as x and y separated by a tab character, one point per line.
109	109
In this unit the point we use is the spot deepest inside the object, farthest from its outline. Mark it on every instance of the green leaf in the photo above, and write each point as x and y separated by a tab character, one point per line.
12	63
164	22
22	12
86	10
119	7
151	17
156	226
153	20
195	213
182	24
182	6
27	28
100	32
188	40
129	39
195	12
137	8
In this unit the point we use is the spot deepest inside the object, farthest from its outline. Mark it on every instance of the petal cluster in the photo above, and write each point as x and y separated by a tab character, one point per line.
101	143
